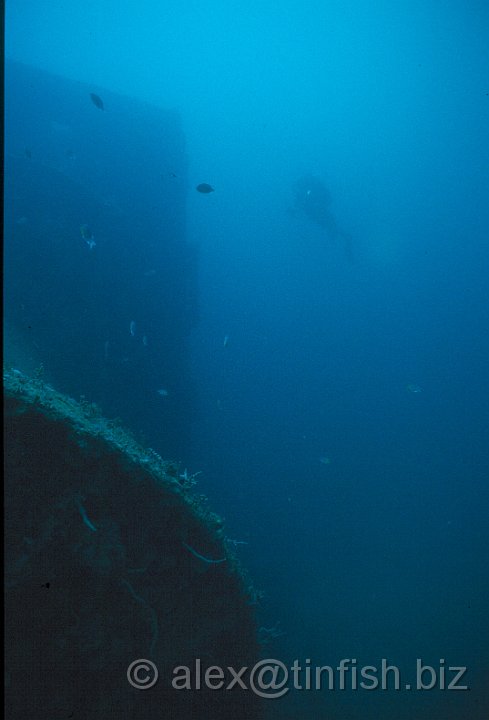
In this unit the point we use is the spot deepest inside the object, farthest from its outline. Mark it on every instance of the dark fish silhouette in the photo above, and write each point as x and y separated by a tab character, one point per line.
97	101
204	188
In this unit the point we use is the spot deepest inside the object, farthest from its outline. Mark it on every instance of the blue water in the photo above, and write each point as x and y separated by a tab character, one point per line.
342	427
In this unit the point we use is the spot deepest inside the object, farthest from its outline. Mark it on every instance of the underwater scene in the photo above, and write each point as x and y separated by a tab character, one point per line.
246	360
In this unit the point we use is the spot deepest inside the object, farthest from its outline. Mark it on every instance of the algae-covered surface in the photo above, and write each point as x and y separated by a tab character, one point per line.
111	557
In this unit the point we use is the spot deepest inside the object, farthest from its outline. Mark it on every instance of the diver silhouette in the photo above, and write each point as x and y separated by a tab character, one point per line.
313	199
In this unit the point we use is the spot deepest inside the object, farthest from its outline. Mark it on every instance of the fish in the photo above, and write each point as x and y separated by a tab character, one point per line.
204	188
97	101
132	328
145	340
162	392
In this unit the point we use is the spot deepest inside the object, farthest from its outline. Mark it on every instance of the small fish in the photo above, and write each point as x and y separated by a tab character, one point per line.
225	341
162	392
91	244
97	101
145	340
132	328
204	188
324	460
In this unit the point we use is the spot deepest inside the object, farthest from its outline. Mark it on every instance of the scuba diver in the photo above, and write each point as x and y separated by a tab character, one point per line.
312	198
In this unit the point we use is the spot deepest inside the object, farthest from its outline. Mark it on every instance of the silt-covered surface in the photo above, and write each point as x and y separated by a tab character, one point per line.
107	561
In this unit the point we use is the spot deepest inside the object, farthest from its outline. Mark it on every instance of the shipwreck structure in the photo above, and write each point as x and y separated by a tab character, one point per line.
114	566
112	559
100	280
